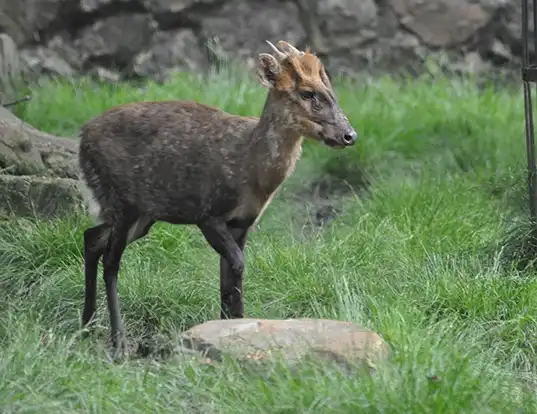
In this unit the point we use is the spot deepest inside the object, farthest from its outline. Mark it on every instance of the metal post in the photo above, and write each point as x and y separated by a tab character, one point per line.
529	74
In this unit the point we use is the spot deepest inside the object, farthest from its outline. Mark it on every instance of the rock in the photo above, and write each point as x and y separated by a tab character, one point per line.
91	6
401	51
44	198
45	61
243	26
115	41
24	19
294	339
172	50
133	38
509	30
17	154
9	57
174	13
25	150
63	46
348	23
10	67
176	6
38	171
473	63
442	23
105	75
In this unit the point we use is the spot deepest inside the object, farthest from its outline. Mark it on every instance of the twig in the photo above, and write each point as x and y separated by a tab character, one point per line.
24	98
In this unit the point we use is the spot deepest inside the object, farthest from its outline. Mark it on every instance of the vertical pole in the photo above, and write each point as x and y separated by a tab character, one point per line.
528	108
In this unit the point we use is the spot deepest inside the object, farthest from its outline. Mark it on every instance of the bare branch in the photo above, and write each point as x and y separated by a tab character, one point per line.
17	101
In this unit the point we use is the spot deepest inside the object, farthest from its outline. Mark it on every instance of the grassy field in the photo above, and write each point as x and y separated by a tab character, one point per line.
422	254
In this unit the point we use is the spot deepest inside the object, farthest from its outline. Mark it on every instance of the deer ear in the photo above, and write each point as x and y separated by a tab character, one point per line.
268	70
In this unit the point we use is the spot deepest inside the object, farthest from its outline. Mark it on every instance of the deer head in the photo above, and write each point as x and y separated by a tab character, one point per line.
300	83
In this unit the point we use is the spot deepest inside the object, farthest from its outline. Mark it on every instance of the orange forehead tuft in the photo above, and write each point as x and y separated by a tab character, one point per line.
307	67
304	67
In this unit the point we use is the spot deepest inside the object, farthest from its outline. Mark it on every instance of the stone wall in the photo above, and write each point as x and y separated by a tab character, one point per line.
150	37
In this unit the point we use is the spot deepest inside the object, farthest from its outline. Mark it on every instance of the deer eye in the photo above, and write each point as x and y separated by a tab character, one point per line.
307	95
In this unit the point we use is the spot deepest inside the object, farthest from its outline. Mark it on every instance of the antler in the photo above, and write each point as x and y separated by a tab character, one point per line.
284	50
289	49
280	55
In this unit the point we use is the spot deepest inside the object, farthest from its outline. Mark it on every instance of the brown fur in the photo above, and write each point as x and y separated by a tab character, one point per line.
306	68
188	163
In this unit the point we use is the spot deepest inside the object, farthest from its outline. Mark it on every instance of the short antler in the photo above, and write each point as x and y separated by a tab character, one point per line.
280	55
284	50
288	49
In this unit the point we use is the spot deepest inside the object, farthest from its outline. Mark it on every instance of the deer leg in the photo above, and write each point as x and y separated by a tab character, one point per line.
95	239
117	242
231	285
220	237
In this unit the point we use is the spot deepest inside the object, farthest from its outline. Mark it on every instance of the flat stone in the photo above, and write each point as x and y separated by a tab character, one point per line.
294	339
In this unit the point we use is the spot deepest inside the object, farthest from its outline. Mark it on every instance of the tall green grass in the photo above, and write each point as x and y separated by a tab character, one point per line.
418	258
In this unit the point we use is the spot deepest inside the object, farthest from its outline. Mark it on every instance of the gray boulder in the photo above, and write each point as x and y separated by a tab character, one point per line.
38	171
38	197
153	37
114	41
170	51
10	68
25	150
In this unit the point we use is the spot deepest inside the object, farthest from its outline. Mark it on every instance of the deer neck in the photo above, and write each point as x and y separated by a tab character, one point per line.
275	145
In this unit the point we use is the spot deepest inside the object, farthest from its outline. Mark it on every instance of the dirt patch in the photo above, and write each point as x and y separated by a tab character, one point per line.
324	195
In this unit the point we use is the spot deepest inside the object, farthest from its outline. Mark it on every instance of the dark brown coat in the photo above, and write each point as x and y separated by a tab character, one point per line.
187	163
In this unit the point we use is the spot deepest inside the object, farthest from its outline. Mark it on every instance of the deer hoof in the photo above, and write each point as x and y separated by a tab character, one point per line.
120	349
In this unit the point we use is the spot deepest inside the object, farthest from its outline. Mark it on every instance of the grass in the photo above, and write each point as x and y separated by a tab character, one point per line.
418	256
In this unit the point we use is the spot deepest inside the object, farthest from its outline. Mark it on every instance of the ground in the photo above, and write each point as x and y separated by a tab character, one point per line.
430	205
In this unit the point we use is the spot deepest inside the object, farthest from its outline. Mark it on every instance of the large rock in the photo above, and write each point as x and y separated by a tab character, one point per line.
42	60
25	150
63	46
152	37
39	197
243	26
169	51
115	41
292	339
348	23
175	13
443	23
90	6
24	20
176	6
38	171
10	68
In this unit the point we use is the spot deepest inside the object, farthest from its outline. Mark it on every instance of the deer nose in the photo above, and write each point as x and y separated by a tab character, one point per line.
350	137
